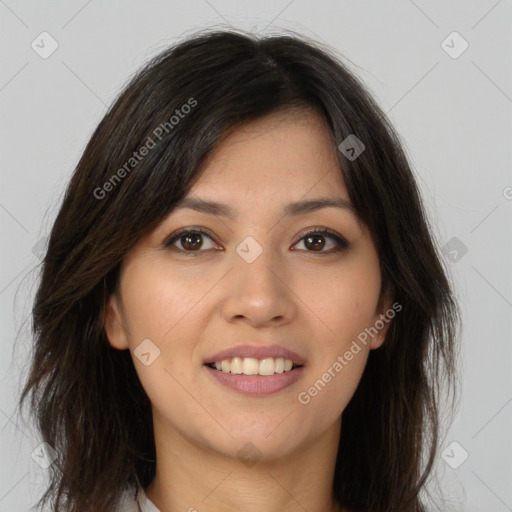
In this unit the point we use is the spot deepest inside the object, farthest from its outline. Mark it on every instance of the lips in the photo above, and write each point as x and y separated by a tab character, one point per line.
255	385
256	352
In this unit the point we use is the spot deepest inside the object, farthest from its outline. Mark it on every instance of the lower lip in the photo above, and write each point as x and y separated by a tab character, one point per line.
257	384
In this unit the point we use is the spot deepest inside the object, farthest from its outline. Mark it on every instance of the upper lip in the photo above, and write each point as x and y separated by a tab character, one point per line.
257	352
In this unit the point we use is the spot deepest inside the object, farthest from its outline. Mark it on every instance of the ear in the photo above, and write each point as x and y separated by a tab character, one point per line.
383	320
114	327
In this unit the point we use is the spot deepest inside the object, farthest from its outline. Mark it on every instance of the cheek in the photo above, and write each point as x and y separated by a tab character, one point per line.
159	305
162	305
338	368
328	392
157	298
346	302
343	301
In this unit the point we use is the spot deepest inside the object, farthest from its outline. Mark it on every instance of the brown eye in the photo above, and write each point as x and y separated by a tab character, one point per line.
191	241
188	241
315	241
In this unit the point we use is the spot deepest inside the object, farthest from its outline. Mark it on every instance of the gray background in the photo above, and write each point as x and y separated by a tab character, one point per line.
454	115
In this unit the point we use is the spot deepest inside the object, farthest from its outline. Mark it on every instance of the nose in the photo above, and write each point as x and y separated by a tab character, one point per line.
259	292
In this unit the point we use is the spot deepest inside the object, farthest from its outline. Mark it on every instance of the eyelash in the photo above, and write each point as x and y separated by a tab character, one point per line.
342	244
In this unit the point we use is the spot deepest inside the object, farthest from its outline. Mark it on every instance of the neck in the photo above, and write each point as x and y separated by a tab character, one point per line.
190	476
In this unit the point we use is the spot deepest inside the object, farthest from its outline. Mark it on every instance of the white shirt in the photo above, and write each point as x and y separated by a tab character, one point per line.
129	504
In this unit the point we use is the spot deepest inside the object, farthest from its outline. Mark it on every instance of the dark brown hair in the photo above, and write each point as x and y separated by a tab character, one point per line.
86	397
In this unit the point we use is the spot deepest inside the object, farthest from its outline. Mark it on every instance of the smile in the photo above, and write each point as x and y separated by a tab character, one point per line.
252	366
264	377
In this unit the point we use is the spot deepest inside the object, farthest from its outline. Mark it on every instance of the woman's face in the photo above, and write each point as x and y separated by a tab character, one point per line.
257	279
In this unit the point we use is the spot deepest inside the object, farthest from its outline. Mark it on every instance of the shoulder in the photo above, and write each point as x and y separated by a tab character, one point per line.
128	502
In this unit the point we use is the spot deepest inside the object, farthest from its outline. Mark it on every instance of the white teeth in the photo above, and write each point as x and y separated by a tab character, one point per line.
252	366
267	366
236	366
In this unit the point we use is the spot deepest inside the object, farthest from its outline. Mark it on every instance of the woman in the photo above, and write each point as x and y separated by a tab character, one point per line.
241	305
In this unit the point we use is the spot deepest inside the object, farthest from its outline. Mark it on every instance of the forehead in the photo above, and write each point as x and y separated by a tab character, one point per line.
286	153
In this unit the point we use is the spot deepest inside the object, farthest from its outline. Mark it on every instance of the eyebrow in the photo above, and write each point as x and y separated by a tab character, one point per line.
290	210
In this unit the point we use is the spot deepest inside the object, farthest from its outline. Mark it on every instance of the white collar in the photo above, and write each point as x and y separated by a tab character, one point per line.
146	505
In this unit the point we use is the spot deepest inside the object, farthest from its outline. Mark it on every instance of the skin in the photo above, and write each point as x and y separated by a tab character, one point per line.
308	300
